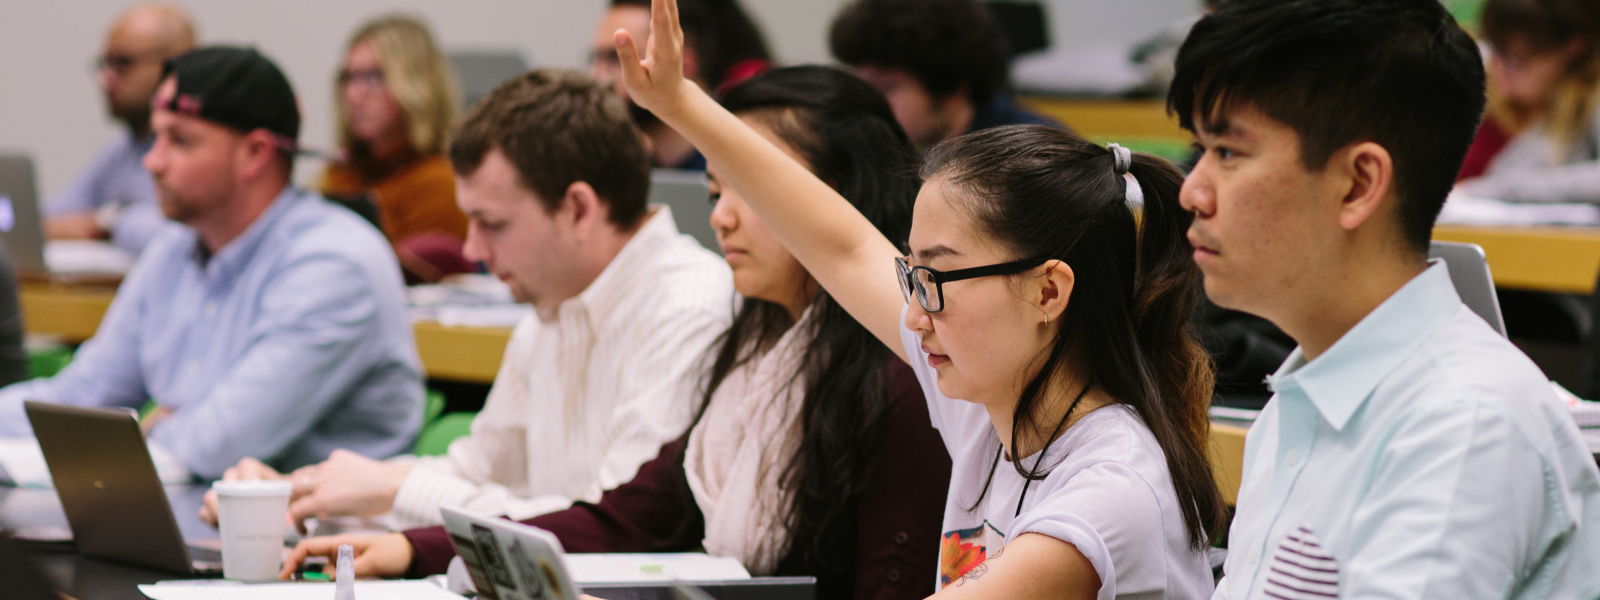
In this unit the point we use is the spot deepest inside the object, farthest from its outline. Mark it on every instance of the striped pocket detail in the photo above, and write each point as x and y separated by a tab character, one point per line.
1301	570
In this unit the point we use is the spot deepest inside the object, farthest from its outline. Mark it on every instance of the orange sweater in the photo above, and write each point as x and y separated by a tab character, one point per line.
414	199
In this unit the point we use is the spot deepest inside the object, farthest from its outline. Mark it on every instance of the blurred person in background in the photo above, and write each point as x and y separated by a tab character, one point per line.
396	99
723	48
1540	142
265	321
114	198
1540	138
942	64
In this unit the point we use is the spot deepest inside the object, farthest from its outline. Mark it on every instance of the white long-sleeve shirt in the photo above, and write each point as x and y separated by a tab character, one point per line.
580	402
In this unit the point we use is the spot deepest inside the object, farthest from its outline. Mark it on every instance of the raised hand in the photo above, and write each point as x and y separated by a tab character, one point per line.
656	82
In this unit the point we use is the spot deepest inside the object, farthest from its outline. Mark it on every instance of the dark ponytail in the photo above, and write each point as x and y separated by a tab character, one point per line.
1165	294
1042	192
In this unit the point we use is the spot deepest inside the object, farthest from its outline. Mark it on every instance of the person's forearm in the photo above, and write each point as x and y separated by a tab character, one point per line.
840	248
811	219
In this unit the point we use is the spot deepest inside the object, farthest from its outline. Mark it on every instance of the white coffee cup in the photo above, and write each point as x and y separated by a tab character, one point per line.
251	516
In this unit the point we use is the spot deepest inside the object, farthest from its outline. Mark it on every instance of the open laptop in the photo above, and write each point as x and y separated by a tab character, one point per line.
22	226
690	199
507	560
109	490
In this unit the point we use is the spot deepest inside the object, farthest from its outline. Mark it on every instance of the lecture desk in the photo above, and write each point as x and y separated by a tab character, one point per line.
1109	118
1538	258
72	312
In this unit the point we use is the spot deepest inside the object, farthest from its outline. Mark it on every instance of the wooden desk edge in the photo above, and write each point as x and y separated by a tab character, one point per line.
73	313
1227	458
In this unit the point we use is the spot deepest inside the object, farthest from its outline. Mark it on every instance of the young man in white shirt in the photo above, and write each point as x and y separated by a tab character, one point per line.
553	177
1410	451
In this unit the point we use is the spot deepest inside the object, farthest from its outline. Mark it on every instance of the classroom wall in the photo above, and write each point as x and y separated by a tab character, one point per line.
51	108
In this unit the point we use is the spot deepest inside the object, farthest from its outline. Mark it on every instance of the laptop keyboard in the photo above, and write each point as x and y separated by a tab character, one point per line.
202	554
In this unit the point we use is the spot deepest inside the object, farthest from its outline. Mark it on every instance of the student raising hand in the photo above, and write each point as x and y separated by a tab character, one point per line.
841	248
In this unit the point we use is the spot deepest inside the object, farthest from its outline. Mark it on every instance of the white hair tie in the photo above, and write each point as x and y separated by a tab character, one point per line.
1122	156
1122	160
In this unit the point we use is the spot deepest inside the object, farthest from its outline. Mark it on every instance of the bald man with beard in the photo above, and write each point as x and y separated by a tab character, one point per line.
115	198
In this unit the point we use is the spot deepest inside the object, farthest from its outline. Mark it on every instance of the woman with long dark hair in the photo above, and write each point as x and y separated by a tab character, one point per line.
812	453
1046	322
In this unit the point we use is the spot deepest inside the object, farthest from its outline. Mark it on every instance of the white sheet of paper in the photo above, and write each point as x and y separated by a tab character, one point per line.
629	568
1468	210
226	590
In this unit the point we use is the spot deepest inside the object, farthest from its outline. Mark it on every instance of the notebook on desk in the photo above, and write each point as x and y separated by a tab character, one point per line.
110	492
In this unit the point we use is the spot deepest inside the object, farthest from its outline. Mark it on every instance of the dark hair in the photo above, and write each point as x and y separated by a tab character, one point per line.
947	45
1399	73
845	131
1047	193
721	34
558	127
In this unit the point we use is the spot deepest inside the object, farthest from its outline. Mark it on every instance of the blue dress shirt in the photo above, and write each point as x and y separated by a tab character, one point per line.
117	178
288	343
1421	456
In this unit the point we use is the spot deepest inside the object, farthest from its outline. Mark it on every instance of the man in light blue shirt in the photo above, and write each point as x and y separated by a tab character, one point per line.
272	324
1409	451
115	197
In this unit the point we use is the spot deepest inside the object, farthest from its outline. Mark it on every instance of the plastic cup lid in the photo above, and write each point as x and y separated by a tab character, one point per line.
253	487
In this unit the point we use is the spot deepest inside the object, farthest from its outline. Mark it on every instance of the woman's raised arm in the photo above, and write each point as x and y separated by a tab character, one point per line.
840	247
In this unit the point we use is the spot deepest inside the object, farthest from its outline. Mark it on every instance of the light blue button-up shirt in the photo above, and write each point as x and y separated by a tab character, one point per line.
117	178
1421	456
288	343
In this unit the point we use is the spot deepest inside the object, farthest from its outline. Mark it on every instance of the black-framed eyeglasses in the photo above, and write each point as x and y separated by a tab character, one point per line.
928	284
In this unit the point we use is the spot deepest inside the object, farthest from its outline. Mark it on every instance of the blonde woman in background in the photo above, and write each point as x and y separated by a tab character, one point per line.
1540	138
396	98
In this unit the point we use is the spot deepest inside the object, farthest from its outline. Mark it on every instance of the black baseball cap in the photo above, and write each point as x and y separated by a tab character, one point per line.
235	87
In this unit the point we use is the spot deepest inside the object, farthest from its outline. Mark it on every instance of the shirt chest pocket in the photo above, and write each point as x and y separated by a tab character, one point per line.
1299	568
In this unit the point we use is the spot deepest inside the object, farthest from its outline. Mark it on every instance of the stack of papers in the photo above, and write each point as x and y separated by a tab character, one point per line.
471	300
232	590
22	464
1469	210
85	256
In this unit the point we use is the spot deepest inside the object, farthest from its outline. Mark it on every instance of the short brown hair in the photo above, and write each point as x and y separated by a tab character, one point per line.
558	127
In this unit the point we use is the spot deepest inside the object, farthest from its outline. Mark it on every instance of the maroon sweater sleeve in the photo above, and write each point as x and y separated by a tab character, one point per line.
651	513
899	515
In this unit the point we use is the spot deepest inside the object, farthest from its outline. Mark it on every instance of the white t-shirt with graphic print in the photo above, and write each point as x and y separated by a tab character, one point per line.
1108	493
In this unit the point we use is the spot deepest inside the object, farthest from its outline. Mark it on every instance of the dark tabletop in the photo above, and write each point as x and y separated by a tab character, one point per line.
88	578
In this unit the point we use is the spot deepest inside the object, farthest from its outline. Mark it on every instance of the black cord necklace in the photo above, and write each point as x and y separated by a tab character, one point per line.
1028	481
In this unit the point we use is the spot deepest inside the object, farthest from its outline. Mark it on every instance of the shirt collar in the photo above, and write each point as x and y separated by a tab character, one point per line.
237	253
620	277
1340	380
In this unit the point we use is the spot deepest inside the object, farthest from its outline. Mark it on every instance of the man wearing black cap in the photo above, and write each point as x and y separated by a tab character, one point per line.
272	325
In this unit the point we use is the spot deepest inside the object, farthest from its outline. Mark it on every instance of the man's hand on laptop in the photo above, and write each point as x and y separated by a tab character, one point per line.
347	484
249	468
386	555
